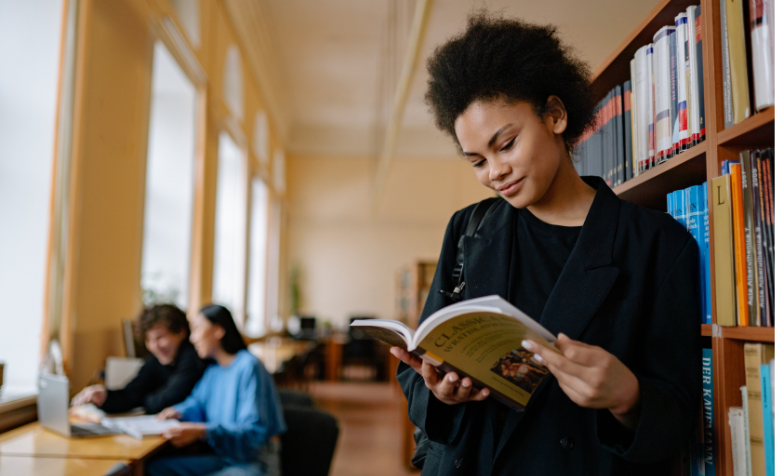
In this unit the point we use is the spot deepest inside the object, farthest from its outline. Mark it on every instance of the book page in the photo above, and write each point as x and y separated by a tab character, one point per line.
139	426
487	347
391	332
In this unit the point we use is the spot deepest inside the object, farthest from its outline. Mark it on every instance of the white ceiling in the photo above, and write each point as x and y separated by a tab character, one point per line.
331	57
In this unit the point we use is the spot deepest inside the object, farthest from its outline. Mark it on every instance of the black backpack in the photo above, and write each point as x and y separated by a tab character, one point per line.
482	210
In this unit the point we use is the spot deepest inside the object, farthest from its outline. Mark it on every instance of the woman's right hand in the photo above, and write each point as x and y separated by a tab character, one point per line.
95	394
168	413
449	388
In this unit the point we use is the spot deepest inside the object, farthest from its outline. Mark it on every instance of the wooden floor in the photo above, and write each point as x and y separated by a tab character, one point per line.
370	427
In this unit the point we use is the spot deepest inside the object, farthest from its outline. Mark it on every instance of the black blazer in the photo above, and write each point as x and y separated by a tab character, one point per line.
630	286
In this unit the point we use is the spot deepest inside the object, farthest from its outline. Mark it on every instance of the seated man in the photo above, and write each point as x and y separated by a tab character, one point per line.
168	375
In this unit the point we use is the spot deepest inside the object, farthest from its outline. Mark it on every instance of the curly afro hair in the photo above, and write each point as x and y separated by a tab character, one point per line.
497	58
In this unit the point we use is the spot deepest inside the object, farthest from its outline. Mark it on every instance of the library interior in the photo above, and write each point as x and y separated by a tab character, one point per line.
378	237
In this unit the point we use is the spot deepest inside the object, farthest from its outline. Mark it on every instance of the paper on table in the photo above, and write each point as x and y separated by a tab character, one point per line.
140	426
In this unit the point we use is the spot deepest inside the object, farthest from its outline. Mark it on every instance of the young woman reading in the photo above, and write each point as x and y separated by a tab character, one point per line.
235	408
615	281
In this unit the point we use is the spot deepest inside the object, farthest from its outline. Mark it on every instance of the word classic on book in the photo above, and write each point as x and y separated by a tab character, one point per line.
479	339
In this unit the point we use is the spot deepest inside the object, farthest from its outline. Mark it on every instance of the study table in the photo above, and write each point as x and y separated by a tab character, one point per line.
34	441
43	466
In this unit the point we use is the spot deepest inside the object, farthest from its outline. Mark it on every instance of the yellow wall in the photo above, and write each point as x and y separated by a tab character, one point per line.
348	256
111	117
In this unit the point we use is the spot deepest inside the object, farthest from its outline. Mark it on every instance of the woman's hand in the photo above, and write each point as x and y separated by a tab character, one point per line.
592	377
168	413
449	388
185	433
95	394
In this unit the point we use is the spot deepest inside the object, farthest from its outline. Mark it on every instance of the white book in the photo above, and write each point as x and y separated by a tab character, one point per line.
641	84
746	431
650	105
694	91
761	53
140	426
684	139
737	430
634	118
662	119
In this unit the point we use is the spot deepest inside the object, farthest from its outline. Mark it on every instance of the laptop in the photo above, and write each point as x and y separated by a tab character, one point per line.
53	399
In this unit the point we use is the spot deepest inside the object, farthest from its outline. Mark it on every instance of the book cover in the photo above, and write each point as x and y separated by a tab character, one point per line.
650	106
737	433
759	240
706	248
746	429
693	221
633	121
682	83
723	254
679	202
619	135
726	79
752	297
699	75
767	232
738	230
694	104
755	355
663	123
761	53
708	418
670	205
627	130
738	67
769	461
479	339
642	84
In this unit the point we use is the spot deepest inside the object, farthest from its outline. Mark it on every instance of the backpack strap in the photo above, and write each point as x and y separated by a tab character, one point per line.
482	210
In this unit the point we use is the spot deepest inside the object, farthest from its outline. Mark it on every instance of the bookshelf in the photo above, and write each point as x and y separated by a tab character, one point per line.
692	167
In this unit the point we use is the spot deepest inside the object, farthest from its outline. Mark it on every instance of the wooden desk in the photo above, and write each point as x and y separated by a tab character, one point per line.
34	466
32	440
275	351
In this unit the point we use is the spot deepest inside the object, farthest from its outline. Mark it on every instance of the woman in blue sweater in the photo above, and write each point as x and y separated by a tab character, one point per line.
234	408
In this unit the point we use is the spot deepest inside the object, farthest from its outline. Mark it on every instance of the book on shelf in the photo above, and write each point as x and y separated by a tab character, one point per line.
448	340
723	254
755	355
704	197
689	208
738	66
769	461
760	13
726	78
708	415
751	221
736	418
656	114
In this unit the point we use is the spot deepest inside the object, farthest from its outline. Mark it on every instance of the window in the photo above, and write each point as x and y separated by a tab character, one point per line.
30	35
169	183
233	93
230	228
259	218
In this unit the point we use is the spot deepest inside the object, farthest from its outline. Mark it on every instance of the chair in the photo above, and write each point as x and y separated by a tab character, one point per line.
294	398
308	445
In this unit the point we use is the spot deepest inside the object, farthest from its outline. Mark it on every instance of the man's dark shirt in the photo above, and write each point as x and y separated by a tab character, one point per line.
158	386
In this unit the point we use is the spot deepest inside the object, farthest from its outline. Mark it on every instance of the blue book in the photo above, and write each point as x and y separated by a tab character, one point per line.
693	222
769	442
706	249
670	205
726	164
679	206
708	418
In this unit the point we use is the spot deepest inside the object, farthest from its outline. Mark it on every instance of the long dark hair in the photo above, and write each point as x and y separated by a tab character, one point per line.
220	316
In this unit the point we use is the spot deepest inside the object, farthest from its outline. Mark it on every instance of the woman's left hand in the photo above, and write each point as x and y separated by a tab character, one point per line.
185	433
592	377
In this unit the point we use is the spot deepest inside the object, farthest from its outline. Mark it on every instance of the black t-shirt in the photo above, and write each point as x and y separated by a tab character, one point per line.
158	386
539	254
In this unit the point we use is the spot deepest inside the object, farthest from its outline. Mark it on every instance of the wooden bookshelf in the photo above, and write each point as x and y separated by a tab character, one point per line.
750	334
651	187
692	167
757	129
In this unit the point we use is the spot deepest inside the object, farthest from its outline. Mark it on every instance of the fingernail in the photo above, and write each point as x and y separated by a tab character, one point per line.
538	358
562	336
485	392
452	378
466	384
527	344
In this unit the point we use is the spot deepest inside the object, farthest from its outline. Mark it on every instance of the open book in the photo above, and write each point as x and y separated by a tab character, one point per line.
480	339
